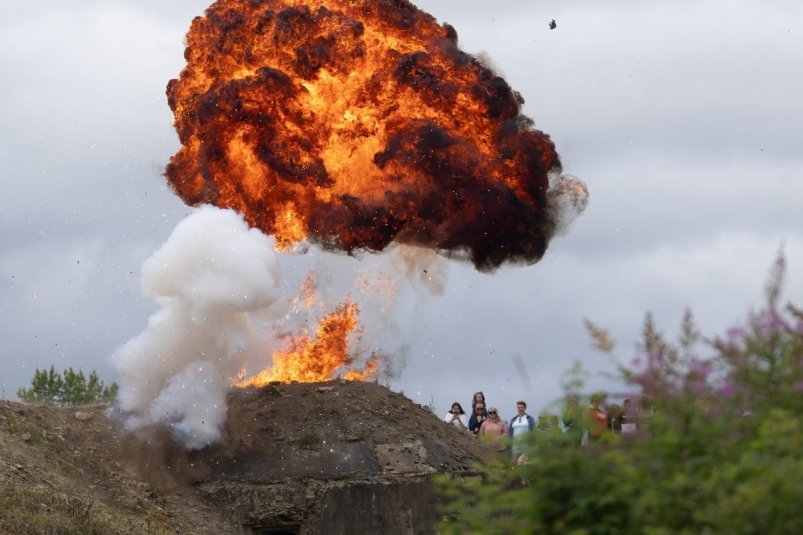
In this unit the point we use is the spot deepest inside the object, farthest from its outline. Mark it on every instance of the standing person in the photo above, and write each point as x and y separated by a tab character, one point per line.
628	417
520	425
478	397
645	411
570	415
492	430
596	420
478	416
571	421
615	418
457	417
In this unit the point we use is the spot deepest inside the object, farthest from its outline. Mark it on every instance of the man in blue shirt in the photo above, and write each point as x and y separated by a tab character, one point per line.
519	425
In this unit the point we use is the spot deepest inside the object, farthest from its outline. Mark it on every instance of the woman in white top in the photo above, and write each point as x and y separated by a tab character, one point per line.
457	417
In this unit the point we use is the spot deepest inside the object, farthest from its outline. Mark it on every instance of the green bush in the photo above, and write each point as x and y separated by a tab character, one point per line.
69	388
721	453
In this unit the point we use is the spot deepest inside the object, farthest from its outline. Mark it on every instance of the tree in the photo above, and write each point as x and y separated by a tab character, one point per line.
70	388
721	453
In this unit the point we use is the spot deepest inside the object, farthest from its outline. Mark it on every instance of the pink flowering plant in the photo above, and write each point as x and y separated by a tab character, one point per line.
718	446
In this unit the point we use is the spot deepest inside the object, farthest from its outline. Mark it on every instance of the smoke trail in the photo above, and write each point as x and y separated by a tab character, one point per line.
214	279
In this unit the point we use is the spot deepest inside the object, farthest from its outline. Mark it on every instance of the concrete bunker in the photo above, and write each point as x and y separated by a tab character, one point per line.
331	458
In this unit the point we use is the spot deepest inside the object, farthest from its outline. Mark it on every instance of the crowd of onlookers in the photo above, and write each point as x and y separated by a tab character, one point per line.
587	424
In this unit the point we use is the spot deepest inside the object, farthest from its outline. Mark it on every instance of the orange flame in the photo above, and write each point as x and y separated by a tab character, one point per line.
307	297
321	357
355	123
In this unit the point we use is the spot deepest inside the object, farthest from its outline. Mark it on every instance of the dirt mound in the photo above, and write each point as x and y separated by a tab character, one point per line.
72	469
322	416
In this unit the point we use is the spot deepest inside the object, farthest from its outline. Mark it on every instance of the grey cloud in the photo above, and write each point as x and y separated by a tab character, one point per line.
680	117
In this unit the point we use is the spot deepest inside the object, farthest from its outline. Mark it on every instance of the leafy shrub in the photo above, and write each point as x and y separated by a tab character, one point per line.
721	452
69	388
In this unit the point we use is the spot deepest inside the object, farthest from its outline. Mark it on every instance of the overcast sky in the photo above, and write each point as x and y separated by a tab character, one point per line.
684	119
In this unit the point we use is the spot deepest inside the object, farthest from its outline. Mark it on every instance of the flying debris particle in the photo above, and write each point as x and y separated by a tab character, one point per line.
553	24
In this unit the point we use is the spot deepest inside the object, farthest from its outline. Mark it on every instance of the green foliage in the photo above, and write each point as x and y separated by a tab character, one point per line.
70	388
721	453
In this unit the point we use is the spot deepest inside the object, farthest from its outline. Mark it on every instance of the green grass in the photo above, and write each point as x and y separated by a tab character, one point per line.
43	511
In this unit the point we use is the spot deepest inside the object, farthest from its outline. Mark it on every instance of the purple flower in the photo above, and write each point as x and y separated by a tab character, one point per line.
727	389
699	388
645	378
736	333
771	322
798	386
699	368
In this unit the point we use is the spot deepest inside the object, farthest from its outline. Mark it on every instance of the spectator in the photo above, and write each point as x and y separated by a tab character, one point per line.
492	430
457	417
478	397
646	409
596	421
520	425
570	419
570	415
478	416
628	417
614	417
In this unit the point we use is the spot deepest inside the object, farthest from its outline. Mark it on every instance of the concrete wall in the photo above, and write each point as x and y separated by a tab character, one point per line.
400	507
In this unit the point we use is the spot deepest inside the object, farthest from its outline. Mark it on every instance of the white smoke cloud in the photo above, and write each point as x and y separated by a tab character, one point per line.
568	197
215	280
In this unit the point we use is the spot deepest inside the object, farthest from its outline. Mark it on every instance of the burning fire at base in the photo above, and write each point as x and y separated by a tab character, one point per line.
352	124
319	358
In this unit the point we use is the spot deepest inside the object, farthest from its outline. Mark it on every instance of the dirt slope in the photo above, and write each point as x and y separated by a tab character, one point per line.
73	470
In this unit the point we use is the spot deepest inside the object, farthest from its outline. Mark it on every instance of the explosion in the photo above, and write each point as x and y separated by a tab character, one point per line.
317	359
352	124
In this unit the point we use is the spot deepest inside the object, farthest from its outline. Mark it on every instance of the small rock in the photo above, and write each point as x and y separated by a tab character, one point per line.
325	388
83	416
26	437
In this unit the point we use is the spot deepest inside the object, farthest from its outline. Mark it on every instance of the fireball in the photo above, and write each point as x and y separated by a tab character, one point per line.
355	123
